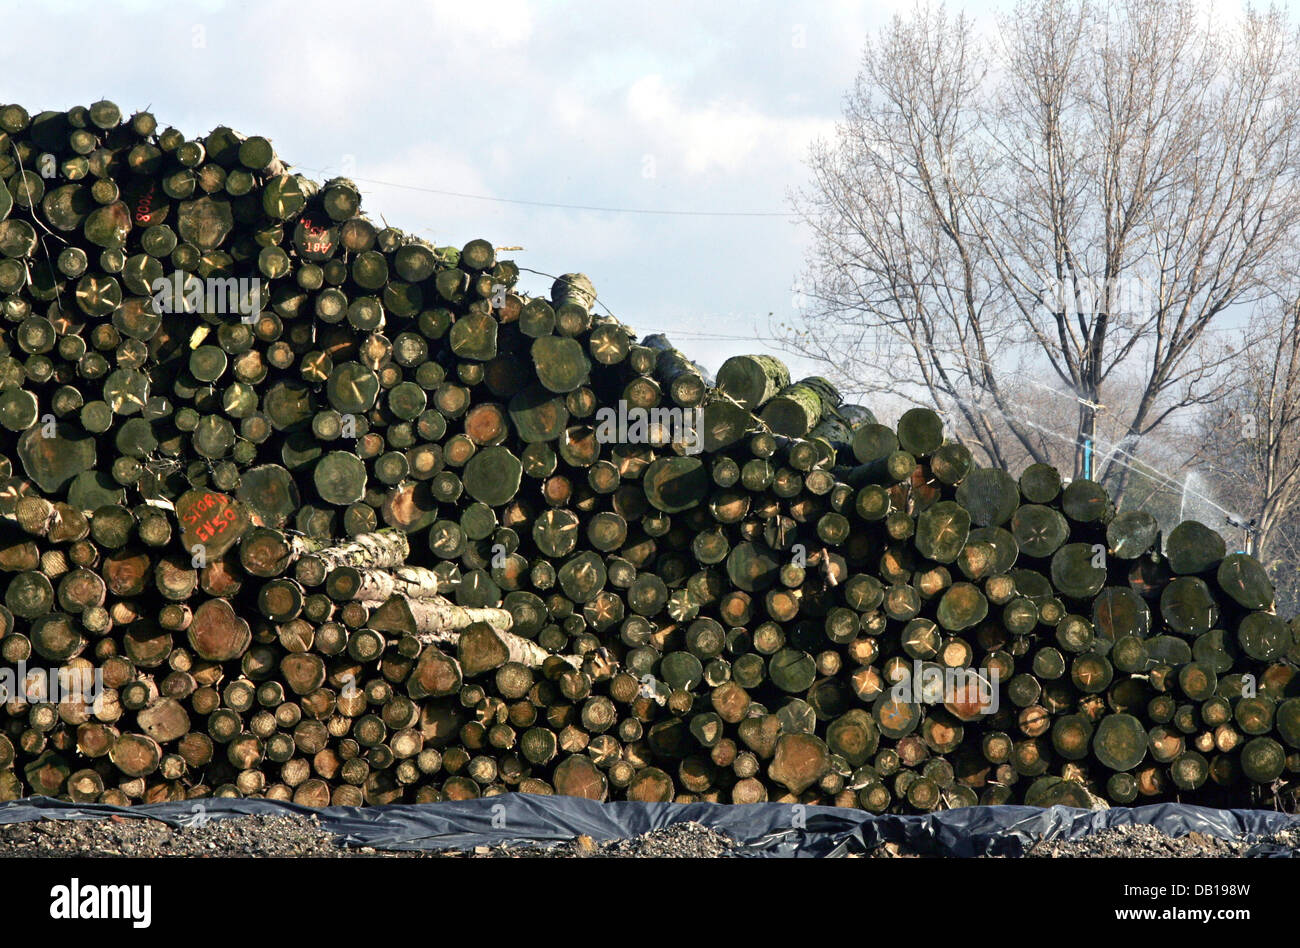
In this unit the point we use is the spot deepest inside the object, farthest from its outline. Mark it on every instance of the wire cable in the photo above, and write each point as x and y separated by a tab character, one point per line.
664	212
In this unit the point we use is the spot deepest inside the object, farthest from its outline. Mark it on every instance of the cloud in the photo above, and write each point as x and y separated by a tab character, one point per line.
512	99
494	24
724	134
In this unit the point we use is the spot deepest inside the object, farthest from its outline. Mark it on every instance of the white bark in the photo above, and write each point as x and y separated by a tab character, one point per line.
439	621
381	549
379	585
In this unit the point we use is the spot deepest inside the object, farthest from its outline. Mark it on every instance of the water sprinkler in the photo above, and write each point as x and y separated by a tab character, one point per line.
1246	526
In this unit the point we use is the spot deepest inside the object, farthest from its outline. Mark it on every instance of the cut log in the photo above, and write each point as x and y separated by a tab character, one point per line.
752	380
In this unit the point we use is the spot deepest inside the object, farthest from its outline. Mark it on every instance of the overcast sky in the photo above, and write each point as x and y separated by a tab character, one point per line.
637	105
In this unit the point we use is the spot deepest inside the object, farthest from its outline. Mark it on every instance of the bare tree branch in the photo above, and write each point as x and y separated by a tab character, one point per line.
1073	210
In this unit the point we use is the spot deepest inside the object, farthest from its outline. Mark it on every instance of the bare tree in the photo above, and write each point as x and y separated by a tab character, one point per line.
1250	447
1067	209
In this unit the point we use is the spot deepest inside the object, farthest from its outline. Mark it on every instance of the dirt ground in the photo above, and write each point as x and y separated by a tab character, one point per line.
1141	841
1148	841
302	836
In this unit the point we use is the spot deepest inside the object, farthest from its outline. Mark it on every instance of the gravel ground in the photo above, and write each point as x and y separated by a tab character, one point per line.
1136	841
1144	841
130	836
302	836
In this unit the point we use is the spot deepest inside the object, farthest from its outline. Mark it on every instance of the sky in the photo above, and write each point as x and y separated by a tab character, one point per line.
647	106
707	108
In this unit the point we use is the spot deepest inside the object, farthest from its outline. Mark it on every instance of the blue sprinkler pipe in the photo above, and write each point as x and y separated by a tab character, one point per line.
1087	457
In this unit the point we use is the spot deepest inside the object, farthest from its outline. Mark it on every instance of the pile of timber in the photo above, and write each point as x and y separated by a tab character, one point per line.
306	508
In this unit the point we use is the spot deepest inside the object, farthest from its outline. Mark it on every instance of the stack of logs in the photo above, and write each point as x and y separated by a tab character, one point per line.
324	512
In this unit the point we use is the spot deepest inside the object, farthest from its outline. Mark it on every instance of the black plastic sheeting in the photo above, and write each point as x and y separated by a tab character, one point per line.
762	829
